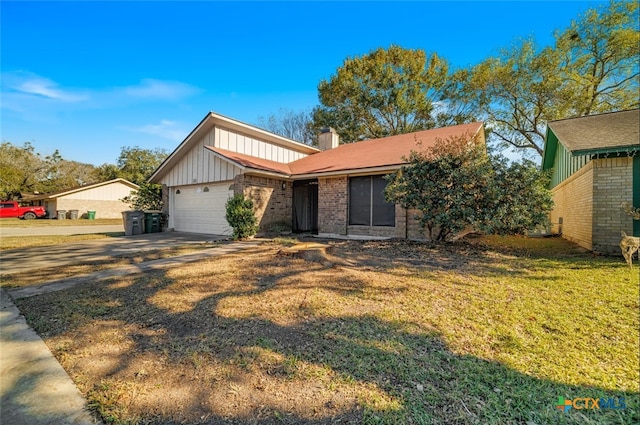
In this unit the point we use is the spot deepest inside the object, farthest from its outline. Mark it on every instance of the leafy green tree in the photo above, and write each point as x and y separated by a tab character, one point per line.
383	93
290	124
516	93
19	169
592	68
599	55
456	185
23	170
241	217
136	164
147	197
105	172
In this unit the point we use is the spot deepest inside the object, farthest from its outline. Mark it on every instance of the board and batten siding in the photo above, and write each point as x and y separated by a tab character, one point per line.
199	165
565	165
236	142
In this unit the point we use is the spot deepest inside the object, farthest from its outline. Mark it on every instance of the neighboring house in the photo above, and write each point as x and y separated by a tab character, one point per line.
104	198
334	190
596	167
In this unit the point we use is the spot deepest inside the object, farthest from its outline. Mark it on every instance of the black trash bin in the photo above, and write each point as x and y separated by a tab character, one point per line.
152	221
133	222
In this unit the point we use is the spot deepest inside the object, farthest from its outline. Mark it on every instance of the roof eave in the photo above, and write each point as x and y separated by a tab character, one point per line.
242	166
349	172
604	151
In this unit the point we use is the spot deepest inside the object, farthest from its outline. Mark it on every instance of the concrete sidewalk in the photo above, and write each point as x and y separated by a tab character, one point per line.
34	388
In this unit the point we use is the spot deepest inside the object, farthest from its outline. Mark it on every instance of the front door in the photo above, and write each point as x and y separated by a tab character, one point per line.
305	206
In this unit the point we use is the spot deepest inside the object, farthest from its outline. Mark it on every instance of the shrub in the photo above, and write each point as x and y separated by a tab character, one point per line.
147	197
456	184
241	217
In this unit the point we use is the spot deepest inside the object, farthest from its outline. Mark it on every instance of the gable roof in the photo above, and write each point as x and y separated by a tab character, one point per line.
213	119
379	154
65	192
598	132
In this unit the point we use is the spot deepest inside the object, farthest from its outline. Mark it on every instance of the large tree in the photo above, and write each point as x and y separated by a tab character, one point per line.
136	164
290	124
382	93
23	170
600	55
592	68
516	93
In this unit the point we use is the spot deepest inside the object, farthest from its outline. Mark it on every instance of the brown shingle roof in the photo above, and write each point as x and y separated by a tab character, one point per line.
385	152
603	131
252	161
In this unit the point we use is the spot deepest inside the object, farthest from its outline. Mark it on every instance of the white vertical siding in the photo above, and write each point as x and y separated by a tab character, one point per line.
236	142
198	165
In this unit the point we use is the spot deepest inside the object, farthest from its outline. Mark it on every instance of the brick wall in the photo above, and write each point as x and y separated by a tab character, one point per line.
612	185
333	213
103	209
271	203
332	205
573	202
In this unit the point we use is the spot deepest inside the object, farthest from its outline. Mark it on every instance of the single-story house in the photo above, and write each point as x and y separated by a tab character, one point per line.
332	190
104	198
595	163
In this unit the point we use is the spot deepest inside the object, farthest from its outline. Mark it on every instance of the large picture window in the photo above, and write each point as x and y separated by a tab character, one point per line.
367	206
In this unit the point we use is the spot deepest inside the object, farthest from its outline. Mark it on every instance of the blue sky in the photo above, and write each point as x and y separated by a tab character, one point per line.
88	78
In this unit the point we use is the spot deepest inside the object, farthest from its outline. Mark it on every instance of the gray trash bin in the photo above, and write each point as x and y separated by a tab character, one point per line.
61	214
133	222
73	214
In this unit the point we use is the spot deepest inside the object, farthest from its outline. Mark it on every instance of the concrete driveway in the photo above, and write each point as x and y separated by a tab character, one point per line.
25	259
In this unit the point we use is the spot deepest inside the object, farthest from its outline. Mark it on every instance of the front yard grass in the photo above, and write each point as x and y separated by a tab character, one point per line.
17	242
484	331
47	222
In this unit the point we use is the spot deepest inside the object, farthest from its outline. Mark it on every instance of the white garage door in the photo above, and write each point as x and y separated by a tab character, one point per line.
201	209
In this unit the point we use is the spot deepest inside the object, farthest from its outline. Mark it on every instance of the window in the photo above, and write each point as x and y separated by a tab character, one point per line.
367	206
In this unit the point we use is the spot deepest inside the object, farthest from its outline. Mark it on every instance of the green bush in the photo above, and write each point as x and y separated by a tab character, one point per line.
241	217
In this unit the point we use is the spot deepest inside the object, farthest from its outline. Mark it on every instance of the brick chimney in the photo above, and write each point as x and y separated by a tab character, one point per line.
328	139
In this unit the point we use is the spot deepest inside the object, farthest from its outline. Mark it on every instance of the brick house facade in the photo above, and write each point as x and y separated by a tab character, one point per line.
595	163
304	188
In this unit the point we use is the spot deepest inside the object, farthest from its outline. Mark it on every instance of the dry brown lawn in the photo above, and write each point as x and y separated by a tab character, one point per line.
359	332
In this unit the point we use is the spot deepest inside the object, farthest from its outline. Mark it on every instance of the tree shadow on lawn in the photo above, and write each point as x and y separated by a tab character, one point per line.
198	361
477	256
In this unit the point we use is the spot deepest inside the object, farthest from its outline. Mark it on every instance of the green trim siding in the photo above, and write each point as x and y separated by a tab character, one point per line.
636	192
565	164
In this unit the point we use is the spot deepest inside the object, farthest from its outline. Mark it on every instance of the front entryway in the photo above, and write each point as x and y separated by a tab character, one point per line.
305	206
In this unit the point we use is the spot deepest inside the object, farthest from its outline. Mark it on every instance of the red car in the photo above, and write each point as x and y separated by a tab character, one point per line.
13	209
